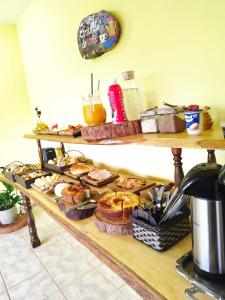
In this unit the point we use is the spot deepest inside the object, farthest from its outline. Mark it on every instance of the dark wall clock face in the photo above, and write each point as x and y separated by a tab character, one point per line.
97	34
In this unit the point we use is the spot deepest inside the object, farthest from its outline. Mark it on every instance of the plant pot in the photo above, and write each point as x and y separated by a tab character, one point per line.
8	216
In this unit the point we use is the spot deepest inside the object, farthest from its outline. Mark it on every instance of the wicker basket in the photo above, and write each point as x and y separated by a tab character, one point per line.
164	236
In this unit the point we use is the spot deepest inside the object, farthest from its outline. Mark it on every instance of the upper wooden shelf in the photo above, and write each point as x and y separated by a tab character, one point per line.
209	139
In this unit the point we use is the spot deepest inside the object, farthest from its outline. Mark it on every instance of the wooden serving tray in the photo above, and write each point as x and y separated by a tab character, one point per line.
67	173
74	133
122	227
93	182
27	182
46	132
148	184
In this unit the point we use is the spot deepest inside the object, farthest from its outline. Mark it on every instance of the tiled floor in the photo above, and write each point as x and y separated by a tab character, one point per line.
61	268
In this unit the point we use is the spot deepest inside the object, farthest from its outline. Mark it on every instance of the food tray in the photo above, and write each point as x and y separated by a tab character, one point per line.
200	284
73	213
74	133
164	236
27	183
46	132
93	182
10	175
67	173
148	184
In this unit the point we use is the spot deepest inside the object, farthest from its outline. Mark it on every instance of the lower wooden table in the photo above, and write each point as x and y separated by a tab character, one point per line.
150	273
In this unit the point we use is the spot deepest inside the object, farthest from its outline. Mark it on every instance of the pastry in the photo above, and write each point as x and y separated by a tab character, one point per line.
62	161
75	193
33	174
129	183
98	174
80	168
23	169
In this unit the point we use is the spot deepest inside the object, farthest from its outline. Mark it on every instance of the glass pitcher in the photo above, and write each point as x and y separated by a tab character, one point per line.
93	111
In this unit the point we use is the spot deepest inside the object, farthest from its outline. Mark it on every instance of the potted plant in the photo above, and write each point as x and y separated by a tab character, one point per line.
8	200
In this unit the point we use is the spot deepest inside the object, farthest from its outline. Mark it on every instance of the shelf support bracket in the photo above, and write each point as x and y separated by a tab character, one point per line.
178	172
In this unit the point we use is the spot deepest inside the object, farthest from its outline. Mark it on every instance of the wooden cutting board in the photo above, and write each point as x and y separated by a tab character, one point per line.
67	173
113	227
148	184
93	182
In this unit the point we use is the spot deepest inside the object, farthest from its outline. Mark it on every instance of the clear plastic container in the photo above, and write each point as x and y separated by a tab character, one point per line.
131	96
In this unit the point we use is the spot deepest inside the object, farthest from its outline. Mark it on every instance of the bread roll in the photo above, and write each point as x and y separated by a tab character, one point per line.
80	168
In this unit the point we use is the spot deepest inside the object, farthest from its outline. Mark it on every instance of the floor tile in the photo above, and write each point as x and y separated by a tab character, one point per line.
37	287
56	296
2	285
93	286
21	270
15	247
110	275
78	246
53	251
4	296
128	292
69	269
82	250
45	233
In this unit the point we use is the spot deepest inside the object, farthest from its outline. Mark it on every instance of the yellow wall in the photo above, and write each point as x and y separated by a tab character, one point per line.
175	47
15	116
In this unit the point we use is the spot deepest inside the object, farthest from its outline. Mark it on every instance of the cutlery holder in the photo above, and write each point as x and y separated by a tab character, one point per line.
163	236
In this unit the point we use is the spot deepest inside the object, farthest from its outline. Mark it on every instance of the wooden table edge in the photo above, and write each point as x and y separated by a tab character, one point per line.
129	276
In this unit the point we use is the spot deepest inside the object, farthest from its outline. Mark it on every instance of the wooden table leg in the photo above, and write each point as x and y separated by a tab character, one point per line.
211	156
40	154
35	241
178	172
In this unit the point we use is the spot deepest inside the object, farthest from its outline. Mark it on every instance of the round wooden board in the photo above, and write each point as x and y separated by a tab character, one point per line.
19	223
110	130
117	228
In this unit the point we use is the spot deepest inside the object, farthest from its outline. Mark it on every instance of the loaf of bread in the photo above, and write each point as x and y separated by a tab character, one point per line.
75	193
80	168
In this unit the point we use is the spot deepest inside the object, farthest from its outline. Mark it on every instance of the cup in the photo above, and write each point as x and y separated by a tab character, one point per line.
193	120
93	111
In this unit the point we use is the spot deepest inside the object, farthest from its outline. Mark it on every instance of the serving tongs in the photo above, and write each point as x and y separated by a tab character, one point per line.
175	204
88	204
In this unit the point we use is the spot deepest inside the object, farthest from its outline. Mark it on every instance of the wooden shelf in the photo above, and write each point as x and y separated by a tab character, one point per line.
209	139
151	273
